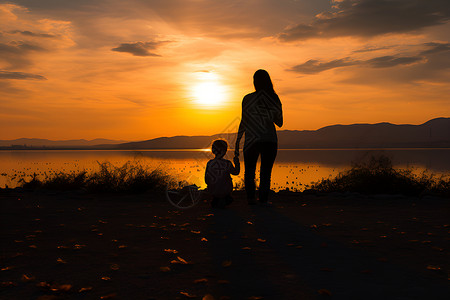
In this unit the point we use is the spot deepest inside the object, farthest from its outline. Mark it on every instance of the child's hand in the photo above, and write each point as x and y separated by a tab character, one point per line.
236	160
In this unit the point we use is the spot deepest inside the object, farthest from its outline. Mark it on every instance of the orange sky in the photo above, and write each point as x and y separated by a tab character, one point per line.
136	70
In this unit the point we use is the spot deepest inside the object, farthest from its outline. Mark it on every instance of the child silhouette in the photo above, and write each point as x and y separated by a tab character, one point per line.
217	174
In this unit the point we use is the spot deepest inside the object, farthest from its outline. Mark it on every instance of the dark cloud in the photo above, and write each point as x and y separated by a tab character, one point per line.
138	48
225	19
436	48
371	49
18	54
392	61
19	47
315	66
20	75
34	34
367	18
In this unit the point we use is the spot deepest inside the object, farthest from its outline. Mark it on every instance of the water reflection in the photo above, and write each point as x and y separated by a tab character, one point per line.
294	169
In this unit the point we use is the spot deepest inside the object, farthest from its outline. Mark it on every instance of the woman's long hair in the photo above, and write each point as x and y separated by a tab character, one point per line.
262	81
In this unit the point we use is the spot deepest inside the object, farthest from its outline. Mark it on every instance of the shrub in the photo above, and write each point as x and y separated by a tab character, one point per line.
377	176
130	177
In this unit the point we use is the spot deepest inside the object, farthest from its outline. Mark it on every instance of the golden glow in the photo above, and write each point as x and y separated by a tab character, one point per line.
209	92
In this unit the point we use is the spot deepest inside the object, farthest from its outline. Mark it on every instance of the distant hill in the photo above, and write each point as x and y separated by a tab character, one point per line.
434	133
25	142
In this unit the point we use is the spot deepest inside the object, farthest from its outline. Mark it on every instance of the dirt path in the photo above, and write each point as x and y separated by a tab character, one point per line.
68	246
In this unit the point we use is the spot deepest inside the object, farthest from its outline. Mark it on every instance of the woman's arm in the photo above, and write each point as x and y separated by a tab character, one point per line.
236	169
240	132
278	120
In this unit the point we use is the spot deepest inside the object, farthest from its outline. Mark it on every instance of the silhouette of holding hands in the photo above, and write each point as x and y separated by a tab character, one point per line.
217	175
261	111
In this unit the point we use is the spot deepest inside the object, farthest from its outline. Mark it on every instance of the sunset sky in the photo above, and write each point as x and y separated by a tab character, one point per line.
140	69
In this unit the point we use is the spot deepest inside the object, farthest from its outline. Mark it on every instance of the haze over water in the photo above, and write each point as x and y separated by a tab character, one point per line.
293	169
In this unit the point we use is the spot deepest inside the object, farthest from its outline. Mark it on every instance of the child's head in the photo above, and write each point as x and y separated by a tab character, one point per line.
219	148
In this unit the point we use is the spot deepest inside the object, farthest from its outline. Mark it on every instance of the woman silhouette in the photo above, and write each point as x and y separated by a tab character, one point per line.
260	111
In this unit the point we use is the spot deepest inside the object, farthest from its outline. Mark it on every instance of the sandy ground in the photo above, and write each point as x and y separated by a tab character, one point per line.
73	246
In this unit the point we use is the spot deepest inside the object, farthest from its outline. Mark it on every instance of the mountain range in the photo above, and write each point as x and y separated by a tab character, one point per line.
432	134
27	142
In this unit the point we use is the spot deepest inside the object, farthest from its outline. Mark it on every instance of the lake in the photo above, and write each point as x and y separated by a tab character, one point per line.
293	169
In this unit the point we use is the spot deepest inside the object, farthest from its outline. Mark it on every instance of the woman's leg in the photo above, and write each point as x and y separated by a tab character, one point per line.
250	158
268	155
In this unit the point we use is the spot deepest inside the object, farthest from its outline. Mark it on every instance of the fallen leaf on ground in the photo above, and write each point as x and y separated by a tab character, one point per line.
262	240
106	278
43	284
164	269
85	289
7	268
171	251
204	240
179	260
201	280
324	292
188	295
61	261
26	278
226	263
431	267
60	287
109	296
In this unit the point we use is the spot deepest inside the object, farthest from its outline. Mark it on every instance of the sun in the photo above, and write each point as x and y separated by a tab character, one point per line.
209	92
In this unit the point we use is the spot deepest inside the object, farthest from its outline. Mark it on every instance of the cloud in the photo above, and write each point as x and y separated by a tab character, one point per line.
34	34
19	47
138	48
369	18
313	66
392	61
17	54
20	75
371	49
436	48
316	66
